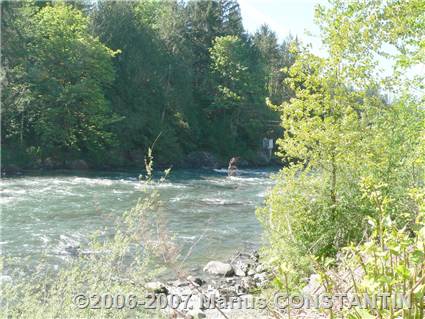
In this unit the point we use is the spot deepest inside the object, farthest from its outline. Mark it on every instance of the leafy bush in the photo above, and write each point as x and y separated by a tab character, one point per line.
340	130
392	260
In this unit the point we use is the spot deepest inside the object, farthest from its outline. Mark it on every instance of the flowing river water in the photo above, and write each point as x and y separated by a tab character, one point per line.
47	214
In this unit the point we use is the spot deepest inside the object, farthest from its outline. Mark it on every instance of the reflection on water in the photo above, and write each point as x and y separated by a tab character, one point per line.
49	213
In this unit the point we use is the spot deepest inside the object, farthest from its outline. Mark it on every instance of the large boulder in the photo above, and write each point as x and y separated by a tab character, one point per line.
201	160
219	268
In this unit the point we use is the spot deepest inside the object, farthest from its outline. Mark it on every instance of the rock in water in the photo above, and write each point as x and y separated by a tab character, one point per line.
219	268
73	250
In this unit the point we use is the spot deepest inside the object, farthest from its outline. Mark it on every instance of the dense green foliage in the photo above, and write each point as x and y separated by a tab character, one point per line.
56	74
101	82
356	156
392	259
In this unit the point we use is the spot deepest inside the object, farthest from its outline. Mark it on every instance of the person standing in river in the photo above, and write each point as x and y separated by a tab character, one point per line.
232	170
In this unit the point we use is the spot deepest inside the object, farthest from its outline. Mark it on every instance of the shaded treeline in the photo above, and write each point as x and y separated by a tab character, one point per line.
100	81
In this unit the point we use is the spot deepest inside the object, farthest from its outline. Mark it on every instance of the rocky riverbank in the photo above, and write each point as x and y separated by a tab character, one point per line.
224	290
231	290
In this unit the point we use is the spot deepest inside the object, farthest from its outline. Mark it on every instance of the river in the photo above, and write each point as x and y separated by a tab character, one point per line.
45	214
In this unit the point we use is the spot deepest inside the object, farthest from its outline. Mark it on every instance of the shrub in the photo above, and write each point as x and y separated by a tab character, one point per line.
392	260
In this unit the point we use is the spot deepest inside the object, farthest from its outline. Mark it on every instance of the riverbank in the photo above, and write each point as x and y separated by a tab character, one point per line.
244	287
223	290
194	160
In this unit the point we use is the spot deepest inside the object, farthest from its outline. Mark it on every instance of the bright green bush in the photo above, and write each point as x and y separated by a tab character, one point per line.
392	260
340	130
317	206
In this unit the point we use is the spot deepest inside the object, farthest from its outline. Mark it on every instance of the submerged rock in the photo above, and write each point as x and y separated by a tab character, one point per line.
219	268
73	250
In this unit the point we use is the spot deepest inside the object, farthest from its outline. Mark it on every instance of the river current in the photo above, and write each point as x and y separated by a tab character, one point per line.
47	214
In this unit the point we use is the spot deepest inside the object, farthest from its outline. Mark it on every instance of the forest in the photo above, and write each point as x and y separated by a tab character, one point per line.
103	81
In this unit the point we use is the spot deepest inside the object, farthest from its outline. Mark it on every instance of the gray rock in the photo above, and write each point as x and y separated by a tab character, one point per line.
260	268
239	272
251	272
247	283
255	256
156	287
219	268
262	159
261	280
241	268
181	291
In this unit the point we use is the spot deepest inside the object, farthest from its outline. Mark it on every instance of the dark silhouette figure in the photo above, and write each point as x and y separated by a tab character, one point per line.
232	170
